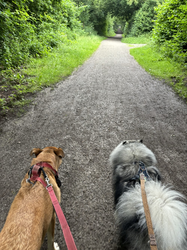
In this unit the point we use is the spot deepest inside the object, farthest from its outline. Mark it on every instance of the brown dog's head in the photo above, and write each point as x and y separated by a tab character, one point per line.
52	155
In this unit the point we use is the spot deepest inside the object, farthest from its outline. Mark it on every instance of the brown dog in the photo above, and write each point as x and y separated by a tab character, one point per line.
32	215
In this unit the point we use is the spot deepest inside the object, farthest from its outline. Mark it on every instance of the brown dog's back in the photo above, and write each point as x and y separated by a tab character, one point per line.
31	214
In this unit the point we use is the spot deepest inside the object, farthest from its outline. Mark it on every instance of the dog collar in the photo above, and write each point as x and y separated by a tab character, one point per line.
142	170
40	166
46	165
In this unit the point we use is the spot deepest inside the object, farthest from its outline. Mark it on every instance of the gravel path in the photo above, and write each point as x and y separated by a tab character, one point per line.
108	99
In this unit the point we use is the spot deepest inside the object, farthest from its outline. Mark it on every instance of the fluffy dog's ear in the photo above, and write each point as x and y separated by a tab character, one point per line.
35	151
59	152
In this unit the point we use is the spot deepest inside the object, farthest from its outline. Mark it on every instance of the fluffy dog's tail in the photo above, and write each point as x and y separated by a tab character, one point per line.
168	213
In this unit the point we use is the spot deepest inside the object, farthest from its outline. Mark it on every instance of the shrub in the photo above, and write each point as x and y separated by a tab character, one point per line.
143	20
33	28
16	31
170	31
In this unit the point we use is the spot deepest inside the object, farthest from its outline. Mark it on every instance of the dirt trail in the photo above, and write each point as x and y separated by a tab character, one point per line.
108	99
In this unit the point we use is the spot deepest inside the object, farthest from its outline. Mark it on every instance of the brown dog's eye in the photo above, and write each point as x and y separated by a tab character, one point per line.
60	156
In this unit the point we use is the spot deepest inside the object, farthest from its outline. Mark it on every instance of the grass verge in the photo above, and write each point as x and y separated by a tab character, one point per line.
44	72
159	66
143	39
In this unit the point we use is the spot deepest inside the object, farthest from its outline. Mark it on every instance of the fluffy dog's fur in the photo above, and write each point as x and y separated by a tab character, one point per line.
167	209
32	215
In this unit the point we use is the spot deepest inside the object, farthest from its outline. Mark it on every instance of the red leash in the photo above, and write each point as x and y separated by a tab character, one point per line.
64	225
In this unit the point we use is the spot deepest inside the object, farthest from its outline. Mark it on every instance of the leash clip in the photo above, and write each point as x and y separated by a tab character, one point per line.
48	182
142	172
152	240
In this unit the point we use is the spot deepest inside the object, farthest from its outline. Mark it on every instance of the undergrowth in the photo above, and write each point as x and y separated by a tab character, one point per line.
15	84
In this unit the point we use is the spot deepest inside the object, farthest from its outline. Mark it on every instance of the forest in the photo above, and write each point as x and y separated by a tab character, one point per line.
32	29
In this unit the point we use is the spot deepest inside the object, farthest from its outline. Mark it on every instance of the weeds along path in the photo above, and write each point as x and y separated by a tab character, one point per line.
108	99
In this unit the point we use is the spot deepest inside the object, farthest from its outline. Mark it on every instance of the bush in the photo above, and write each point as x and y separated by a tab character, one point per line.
27	31
143	20
170	31
16	32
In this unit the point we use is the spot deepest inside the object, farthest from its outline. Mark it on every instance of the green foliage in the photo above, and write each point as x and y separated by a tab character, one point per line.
143	19
98	16
119	24
101	26
170	31
65	58
110	26
33	28
136	15
15	31
93	15
123	9
126	29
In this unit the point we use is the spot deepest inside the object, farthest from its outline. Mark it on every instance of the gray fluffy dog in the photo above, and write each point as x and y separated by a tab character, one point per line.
167	209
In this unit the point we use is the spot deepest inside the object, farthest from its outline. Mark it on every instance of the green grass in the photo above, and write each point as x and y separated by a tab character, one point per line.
154	63
143	39
159	66
44	72
62	61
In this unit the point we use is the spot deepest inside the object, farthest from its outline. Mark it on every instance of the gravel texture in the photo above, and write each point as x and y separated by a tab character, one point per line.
108	99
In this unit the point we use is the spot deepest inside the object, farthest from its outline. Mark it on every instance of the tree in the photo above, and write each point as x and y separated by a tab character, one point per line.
123	9
94	15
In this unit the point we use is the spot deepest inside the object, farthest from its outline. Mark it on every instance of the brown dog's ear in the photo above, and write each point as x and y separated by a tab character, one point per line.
59	152
35	151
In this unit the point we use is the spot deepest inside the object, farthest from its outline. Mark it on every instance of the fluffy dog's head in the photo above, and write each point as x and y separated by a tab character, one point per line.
52	155
168	212
125	157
